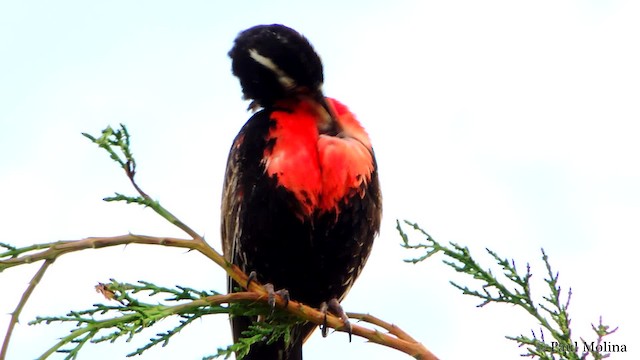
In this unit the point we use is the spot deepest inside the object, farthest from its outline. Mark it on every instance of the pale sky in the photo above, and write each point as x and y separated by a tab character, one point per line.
502	124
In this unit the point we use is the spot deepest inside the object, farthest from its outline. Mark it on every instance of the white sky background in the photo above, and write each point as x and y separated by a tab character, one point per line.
500	124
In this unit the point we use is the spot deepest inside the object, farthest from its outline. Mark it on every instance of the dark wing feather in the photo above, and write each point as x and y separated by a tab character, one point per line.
231	200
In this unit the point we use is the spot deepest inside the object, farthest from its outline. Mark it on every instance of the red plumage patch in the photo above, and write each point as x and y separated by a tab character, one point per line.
320	170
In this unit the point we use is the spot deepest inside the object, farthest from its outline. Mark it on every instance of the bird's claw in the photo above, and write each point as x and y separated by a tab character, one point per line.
251	278
323	327
284	294
334	306
271	296
271	292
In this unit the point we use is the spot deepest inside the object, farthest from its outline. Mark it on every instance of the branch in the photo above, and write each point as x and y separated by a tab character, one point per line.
23	300
49	252
138	315
116	143
391	328
119	139
144	315
52	251
552	313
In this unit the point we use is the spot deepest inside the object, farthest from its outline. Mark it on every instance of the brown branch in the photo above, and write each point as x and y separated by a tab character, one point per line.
391	328
23	300
57	249
130	170
199	243
54	250
402	343
397	338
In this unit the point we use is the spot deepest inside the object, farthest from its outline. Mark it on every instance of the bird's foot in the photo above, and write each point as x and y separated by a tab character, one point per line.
334	306
271	292
271	296
251	278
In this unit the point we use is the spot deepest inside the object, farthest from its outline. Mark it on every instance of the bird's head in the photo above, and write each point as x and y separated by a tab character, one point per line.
274	62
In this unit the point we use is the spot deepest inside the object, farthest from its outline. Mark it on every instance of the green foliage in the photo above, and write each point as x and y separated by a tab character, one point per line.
129	316
130	199
113	140
270	331
551	311
274	324
7	246
117	143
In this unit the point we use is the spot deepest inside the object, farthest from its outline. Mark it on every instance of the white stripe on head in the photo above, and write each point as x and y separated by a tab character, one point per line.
283	78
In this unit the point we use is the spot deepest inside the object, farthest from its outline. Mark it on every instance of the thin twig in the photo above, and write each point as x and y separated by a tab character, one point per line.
23	300
131	172
56	249
391	328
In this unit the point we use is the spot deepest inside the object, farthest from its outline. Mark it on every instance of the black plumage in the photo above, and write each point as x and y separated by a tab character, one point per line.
316	254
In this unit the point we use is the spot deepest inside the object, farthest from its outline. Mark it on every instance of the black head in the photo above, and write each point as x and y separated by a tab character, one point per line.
274	62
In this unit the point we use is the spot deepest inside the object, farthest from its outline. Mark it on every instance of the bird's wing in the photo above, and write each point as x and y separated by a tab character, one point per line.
231	201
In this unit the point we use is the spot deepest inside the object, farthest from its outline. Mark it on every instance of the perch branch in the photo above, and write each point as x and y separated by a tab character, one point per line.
398	339
23	300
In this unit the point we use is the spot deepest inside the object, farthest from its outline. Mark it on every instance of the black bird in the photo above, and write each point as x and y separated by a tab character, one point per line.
301	200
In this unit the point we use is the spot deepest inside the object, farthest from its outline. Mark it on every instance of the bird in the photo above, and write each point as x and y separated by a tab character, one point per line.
301	201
